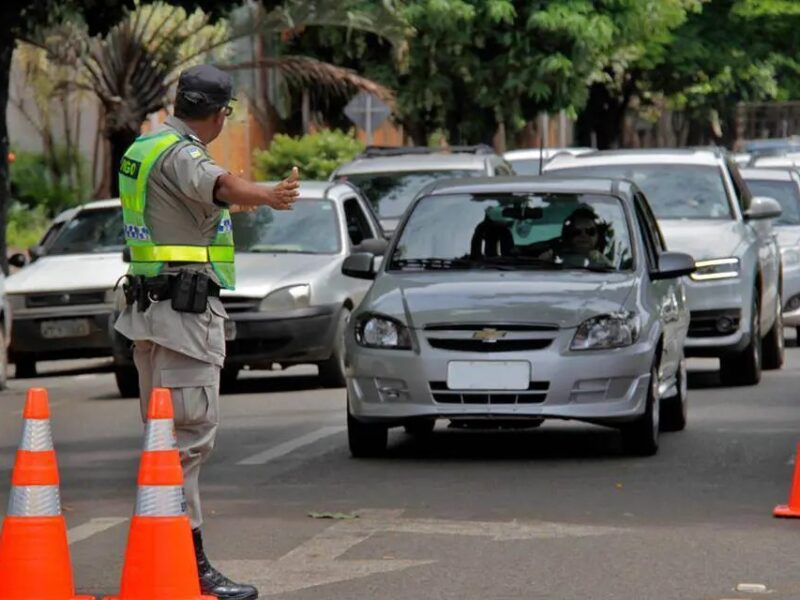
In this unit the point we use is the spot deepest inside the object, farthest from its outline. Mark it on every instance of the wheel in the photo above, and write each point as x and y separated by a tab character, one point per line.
641	437
420	427
25	367
366	440
744	368
773	344
3	361
674	408
127	381
331	371
227	379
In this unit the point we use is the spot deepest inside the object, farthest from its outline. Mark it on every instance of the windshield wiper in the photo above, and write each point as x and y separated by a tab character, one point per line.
444	263
511	262
595	268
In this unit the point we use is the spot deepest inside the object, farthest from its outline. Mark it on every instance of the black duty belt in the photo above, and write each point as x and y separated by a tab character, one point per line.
187	290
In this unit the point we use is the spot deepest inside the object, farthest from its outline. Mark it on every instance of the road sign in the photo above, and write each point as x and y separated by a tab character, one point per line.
367	112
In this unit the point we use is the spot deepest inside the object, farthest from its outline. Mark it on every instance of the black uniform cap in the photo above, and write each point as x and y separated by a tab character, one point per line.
205	85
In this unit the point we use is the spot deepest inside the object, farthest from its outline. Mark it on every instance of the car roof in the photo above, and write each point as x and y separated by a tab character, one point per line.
776	174
528	153
319	190
433	161
95	204
543	184
666	156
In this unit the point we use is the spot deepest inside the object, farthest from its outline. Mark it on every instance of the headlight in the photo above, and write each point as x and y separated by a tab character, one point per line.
607	331
716	268
790	257
287	298
373	331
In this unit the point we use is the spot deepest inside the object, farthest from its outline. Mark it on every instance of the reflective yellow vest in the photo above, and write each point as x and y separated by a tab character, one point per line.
147	256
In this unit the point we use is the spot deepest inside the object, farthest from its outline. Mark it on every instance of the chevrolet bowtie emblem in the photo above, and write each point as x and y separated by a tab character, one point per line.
490	336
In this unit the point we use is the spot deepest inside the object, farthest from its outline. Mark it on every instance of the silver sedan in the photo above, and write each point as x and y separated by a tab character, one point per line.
510	301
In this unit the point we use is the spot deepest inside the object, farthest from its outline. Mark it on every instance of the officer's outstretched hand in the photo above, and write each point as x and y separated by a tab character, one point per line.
286	192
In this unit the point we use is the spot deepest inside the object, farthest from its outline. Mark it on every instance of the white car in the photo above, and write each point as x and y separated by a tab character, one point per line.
62	301
530	161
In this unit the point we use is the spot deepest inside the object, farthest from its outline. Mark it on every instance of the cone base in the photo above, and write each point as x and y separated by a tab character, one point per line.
786	512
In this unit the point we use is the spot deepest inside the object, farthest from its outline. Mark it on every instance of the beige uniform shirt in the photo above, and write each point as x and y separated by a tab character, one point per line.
181	210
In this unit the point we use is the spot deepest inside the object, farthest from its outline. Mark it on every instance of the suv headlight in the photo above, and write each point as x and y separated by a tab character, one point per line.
615	330
287	298
373	331
716	268
790	257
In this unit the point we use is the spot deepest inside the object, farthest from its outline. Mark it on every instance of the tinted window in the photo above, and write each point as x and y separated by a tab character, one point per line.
90	231
311	227
785	192
673	191
391	193
357	224
551	231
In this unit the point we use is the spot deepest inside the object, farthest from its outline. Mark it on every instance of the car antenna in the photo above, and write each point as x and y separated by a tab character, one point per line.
541	152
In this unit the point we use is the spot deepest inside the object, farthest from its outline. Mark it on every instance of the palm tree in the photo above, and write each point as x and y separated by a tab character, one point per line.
132	68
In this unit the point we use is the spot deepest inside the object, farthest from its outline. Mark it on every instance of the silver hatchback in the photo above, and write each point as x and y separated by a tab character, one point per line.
516	300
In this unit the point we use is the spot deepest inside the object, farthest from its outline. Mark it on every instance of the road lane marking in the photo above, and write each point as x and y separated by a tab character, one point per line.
93	527
290	446
318	561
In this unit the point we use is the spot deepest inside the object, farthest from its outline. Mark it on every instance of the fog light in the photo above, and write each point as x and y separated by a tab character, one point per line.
793	303
391	389
725	325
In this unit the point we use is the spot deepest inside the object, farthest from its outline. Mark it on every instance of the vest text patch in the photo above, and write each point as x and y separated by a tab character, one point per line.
130	168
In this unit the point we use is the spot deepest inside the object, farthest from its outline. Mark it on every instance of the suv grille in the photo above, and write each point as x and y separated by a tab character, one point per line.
64	299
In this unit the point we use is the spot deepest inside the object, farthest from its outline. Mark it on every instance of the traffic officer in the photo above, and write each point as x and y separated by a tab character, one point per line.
178	232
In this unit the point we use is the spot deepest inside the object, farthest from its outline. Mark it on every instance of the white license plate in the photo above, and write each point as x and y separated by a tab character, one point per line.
230	330
65	328
488	375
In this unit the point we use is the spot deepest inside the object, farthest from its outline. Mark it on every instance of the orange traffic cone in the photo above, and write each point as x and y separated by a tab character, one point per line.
792	510
160	561
34	556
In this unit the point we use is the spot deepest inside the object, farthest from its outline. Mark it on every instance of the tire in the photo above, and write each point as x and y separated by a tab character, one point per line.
744	368
25	367
640	438
772	347
331	371
366	440
420	427
3	361
127	381
674	408
227	379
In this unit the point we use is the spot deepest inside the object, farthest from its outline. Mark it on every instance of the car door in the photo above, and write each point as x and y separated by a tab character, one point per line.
668	298
769	256
359	228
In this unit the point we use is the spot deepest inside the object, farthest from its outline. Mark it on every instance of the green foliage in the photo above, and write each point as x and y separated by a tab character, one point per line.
25	225
316	155
50	184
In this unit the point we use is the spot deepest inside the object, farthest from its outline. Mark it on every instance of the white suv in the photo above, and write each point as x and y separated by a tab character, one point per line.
705	209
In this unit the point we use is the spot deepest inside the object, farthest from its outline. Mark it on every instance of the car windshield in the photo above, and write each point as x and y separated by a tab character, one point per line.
785	192
673	191
515	231
391	193
90	232
311	227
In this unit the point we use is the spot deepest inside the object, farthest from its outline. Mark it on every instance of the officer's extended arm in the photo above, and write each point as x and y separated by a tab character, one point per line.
235	190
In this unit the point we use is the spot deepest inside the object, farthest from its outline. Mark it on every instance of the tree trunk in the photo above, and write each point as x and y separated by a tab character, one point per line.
120	142
604	115
6	51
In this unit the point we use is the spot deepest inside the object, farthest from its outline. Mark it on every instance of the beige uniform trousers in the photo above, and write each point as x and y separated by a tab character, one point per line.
195	398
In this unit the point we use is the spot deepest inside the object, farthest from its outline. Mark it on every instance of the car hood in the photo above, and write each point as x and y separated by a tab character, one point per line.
788	235
563	299
257	274
68	272
703	238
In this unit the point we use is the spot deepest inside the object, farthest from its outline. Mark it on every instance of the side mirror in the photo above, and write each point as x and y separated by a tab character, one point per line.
763	207
374	246
36	251
18	260
360	265
672	265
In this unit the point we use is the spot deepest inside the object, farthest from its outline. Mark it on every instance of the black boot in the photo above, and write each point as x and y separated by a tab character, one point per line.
214	583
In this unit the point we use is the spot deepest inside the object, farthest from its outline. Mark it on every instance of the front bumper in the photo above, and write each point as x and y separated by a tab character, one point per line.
709	301
27	333
392	386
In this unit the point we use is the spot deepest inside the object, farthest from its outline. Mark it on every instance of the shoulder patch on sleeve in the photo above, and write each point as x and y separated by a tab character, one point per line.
194	151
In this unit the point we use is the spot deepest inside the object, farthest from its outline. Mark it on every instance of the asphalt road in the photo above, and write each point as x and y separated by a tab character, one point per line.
556	512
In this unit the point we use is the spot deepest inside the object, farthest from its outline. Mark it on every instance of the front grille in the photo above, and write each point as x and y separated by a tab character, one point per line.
499	326
480	346
535	394
237	304
65	299
703	323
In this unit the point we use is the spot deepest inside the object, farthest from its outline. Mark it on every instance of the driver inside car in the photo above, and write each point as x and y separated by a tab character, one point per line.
582	241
